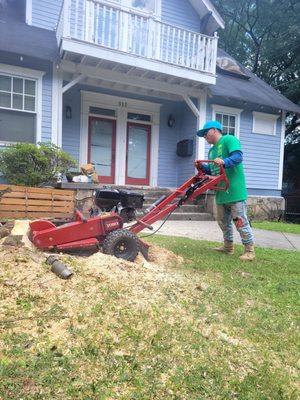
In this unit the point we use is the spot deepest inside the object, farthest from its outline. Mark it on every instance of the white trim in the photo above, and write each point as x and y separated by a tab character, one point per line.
236	112
271	117
93	50
57	106
30	74
122	106
191	106
200	142
23	72
72	83
280	175
29	12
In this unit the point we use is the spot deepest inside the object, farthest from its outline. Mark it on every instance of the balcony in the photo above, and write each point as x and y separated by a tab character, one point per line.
98	29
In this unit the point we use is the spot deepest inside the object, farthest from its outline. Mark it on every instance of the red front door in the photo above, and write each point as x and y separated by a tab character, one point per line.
138	154
102	147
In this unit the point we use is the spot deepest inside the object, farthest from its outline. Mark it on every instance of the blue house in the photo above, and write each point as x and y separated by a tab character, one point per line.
121	82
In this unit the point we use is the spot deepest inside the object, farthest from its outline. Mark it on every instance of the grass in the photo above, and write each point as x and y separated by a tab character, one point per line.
277	226
212	328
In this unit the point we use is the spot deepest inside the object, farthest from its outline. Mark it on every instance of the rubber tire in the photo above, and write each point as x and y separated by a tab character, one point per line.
118	237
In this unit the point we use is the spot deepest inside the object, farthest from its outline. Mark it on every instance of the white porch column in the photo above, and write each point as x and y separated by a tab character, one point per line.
121	146
200	144
57	105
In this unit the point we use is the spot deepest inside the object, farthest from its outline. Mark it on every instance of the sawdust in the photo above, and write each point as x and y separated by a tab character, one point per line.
35	301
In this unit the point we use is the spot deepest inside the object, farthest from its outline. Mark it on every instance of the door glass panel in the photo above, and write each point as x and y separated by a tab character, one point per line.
137	152
101	146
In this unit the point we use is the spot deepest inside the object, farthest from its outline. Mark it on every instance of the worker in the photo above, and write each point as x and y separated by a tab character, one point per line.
231	203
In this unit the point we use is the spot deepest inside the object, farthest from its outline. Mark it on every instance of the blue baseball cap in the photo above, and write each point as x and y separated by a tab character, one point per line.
209	125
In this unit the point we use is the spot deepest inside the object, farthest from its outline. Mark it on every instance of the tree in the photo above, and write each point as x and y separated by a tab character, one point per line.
264	35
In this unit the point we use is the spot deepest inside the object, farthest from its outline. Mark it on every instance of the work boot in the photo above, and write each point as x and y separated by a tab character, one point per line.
226	248
249	254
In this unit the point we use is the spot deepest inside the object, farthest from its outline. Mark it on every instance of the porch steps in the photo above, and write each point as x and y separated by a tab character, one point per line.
187	212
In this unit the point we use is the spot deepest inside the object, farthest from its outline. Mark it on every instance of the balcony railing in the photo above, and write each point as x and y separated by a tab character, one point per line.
135	33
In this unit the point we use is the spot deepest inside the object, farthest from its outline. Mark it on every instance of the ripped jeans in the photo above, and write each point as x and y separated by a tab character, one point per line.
236	212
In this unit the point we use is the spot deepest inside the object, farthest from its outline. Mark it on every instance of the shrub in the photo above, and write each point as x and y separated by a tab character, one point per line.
30	165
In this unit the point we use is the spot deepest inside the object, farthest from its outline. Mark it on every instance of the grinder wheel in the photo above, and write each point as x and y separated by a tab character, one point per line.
121	243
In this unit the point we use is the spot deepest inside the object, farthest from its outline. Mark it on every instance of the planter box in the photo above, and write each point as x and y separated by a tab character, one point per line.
17	202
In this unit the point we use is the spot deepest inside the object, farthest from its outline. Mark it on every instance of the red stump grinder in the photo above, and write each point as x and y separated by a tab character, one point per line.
108	230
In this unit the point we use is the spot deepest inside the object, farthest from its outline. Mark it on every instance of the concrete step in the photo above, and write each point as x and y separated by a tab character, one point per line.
191	217
188	208
186	216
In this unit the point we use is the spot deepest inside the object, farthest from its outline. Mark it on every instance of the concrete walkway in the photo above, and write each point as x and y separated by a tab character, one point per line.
209	230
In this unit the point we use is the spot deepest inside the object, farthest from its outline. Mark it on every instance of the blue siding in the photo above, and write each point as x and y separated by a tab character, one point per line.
45	13
180	13
71	127
14	59
168	138
261	152
188	127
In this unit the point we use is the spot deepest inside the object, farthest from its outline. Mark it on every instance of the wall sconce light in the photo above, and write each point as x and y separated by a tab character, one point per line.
68	112
171	121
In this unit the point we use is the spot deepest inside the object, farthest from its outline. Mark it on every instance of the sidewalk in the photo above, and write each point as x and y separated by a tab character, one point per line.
209	230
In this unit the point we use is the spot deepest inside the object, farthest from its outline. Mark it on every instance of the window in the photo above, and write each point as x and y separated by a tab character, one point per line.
229	117
139	117
264	124
20	111
148	6
228	122
17	93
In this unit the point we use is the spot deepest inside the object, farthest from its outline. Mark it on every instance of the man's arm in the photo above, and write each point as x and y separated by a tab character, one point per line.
235	158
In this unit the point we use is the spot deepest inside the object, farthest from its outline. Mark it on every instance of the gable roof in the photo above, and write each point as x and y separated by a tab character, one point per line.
205	7
252	89
20	38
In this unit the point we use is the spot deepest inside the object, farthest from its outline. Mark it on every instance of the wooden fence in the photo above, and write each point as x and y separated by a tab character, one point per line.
17	202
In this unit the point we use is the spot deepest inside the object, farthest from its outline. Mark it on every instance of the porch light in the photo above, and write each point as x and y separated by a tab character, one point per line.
68	112
171	121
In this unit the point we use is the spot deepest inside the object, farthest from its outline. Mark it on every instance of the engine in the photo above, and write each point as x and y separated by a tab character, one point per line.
122	202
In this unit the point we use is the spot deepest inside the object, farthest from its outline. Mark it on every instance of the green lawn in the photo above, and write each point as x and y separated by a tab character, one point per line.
212	328
277	226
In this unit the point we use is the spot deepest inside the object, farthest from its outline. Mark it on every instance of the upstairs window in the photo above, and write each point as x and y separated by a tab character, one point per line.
229	117
147	6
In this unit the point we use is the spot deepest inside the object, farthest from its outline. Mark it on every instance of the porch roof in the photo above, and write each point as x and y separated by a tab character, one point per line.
20	38
252	90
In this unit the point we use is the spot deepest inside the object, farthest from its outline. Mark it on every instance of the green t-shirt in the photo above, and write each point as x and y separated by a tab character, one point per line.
237	185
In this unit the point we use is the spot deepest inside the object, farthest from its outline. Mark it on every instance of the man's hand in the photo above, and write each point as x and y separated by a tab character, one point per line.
198	165
219	161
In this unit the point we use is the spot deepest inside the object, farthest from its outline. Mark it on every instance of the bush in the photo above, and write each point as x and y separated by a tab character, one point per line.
30	165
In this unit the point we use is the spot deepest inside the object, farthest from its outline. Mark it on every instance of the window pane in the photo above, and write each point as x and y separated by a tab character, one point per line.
148	5
17	126
225	119
137	152
5	83
139	117
30	87
101	146
102	111
29	104
232	121
18	101
5	99
219	117
18	85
